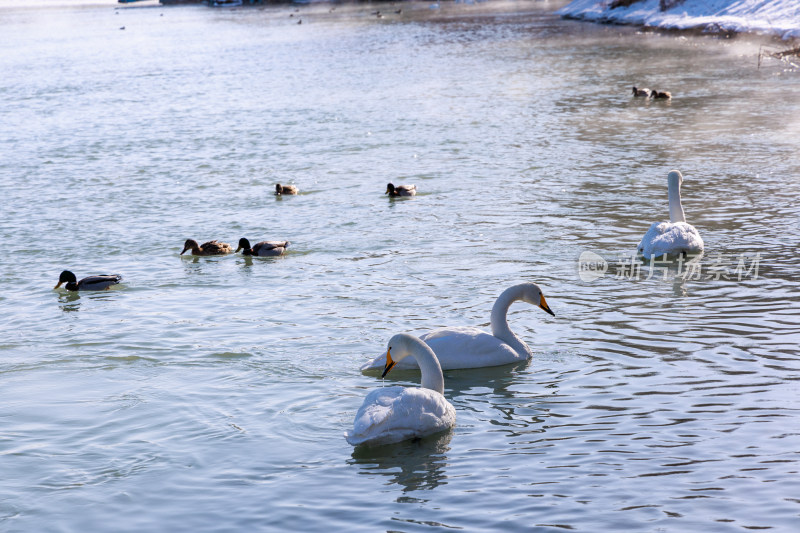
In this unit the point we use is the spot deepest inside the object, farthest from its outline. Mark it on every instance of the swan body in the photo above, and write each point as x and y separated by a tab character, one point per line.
469	347
284	189
263	248
676	236
208	248
90	283
394	414
641	92
400	190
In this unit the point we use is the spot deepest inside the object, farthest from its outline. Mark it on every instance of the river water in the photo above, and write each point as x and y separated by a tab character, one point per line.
212	394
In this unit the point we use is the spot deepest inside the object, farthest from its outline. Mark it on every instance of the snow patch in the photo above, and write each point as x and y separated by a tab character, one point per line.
774	17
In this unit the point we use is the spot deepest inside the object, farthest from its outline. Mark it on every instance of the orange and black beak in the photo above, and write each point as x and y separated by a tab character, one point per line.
389	363
57	286
544	306
184	250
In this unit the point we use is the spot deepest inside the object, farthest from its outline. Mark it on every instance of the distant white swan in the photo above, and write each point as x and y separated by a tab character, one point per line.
393	414
468	347
675	236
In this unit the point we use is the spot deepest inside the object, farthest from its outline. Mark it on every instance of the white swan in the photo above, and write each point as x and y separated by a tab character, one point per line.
468	347
675	236
393	414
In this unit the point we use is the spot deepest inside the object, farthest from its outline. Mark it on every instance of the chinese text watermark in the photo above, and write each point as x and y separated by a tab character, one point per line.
592	266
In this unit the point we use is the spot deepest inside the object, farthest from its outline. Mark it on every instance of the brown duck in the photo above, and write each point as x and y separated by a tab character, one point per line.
284	189
208	248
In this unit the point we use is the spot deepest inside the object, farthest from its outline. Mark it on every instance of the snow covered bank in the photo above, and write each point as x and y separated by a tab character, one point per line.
774	17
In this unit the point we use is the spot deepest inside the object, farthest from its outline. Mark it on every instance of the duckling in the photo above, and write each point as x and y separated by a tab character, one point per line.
400	190
641	92
666	95
284	189
208	248
90	283
263	248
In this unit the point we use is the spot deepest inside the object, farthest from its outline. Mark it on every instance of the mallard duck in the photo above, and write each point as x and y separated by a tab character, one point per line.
641	92
263	248
90	283
665	95
401	190
673	237
208	248
284	189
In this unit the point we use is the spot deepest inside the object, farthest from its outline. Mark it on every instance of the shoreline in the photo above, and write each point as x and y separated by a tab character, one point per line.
778	19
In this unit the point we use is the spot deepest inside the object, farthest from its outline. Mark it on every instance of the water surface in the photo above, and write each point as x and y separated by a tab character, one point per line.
212	394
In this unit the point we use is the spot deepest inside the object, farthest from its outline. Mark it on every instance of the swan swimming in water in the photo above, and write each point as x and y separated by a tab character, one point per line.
396	413
468	347
675	236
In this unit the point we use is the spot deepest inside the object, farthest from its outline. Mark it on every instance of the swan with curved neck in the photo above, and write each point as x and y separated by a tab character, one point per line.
673	237
396	413
468	347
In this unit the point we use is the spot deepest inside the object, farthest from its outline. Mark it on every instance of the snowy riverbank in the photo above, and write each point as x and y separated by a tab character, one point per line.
774	17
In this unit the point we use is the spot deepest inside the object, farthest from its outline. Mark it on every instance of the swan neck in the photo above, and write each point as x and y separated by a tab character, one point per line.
431	371
675	209
499	321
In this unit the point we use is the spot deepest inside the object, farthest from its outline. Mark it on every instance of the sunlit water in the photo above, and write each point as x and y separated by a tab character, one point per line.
212	394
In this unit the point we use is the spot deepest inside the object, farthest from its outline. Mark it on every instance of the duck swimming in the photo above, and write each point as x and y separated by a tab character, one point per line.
675	236
208	248
90	283
400	190
284	189
396	413
661	95
641	92
263	248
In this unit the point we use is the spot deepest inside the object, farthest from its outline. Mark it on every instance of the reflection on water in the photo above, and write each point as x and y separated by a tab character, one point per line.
415	465
69	302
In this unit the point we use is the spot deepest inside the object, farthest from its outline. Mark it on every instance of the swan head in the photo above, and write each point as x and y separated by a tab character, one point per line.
243	243
190	244
532	294
675	178
402	345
